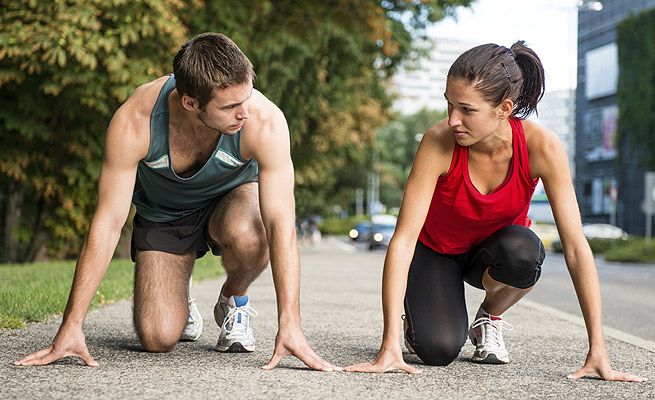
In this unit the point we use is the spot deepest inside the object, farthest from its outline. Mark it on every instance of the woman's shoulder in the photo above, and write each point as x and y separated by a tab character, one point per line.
440	136
545	149
538	136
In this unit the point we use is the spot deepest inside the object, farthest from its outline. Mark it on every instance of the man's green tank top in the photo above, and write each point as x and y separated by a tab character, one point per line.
161	195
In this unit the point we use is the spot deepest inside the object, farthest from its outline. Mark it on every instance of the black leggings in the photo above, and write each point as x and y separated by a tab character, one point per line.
435	308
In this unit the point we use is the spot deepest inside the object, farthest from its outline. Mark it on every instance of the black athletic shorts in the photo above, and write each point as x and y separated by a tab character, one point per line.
181	236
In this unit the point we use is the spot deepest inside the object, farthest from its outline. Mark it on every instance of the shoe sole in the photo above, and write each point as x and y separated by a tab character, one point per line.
189	338
409	347
235	347
186	338
489	359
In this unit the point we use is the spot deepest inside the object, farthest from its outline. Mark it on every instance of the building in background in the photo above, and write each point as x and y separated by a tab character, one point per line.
603	195
423	85
557	113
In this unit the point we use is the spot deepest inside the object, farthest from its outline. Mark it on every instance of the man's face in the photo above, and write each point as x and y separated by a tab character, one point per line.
227	111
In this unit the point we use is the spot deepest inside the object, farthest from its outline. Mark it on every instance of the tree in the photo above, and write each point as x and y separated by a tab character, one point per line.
65	66
326	65
396	144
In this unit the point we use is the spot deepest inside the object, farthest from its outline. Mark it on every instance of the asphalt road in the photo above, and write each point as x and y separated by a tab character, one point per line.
628	293
342	319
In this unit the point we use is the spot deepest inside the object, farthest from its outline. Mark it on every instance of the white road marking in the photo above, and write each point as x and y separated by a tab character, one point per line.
343	246
611	332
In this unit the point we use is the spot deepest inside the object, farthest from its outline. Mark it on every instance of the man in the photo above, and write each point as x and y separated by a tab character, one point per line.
205	159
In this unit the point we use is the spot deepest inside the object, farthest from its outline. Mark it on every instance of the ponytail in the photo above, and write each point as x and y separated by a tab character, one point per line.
533	86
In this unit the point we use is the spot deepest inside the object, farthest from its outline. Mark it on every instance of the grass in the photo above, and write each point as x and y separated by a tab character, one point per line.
38	291
633	250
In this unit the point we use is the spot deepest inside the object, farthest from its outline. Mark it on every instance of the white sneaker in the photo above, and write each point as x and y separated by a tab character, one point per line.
486	333
234	318
193	328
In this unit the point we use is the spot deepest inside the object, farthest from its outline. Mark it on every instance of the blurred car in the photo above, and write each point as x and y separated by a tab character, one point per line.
604	231
381	235
596	231
361	232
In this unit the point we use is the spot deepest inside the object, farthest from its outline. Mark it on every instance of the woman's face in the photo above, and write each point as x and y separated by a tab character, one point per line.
470	117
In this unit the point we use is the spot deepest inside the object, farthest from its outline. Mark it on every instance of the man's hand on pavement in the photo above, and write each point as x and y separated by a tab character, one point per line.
66	343
293	342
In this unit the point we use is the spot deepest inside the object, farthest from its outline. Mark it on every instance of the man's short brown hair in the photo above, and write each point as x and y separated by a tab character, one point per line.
210	60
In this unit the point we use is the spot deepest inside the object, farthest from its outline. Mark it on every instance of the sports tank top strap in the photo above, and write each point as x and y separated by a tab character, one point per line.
456	168
159	123
521	159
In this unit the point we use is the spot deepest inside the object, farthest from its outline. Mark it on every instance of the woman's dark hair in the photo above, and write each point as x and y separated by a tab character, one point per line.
500	73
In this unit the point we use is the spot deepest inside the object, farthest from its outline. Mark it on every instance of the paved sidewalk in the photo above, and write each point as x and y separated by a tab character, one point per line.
342	318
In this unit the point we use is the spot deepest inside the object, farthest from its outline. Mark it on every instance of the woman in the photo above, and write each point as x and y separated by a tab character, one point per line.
465	215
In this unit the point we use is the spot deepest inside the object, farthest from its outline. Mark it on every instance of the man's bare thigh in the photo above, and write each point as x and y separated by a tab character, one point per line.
236	211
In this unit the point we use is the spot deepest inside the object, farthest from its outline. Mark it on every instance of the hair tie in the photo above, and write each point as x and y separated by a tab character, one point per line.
506	71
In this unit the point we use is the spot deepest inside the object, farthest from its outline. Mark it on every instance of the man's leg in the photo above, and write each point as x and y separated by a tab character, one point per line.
160	298
236	226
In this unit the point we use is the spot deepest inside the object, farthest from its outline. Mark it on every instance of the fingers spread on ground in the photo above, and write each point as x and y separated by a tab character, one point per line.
275	360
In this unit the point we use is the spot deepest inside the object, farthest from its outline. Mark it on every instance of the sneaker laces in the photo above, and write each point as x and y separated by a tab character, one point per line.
493	335
230	318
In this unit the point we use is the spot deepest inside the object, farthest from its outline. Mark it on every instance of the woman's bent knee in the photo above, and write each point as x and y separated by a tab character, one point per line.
439	352
438	357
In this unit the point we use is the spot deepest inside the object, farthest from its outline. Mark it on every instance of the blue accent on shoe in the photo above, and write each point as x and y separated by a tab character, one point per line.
241	301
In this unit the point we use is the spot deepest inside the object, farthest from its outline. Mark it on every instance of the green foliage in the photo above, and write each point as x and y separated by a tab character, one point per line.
338	226
35	292
598	246
634	250
395	146
65	66
326	66
636	87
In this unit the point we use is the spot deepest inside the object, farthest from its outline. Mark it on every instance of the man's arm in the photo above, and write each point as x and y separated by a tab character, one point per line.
270	146
124	147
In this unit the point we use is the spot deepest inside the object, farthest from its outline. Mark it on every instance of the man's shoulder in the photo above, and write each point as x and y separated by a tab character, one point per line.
130	125
266	132
262	109
141	102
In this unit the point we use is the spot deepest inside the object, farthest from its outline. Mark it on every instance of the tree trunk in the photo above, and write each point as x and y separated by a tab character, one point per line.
12	220
40	237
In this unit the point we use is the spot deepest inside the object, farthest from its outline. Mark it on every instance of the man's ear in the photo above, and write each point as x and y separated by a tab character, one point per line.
505	109
190	103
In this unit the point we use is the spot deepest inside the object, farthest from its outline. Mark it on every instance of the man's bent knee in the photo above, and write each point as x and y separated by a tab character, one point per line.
247	241
158	342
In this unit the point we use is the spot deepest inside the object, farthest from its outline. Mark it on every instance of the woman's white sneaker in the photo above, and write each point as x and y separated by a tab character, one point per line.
486	334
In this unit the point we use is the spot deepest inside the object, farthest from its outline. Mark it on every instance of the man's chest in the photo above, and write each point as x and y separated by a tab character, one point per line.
190	151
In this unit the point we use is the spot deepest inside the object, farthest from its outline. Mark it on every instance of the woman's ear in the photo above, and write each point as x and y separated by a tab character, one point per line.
505	109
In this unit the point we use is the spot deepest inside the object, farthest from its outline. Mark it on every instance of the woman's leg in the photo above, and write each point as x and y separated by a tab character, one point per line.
435	308
506	266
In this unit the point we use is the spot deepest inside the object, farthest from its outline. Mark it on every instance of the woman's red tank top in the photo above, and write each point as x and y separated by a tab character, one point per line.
460	217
